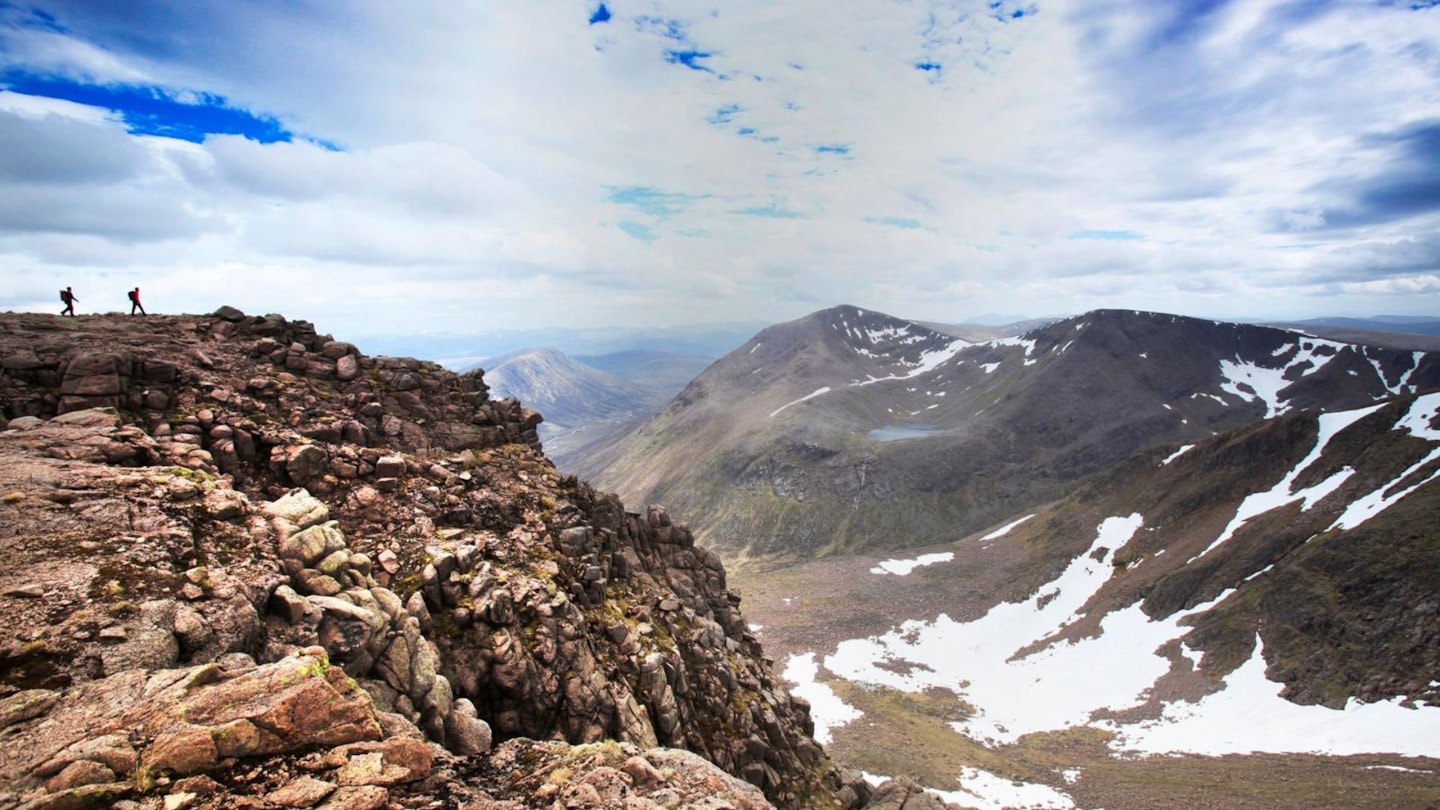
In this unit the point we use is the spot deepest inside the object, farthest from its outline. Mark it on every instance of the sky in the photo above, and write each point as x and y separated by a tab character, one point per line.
393	168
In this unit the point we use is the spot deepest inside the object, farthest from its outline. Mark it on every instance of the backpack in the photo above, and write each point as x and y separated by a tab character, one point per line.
134	297
65	296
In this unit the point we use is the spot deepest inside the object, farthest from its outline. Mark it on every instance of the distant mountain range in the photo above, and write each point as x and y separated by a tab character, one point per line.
464	350
585	398
850	430
1394	331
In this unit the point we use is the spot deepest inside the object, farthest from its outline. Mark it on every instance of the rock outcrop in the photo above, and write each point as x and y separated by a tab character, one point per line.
249	566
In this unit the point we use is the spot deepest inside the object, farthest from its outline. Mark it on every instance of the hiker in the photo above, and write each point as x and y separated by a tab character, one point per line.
68	296
135	301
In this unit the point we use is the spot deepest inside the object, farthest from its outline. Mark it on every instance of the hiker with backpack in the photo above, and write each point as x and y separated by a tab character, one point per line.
135	301
68	296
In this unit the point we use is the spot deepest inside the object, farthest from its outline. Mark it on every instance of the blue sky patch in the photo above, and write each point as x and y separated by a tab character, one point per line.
724	115
1107	235
771	211
652	201
641	232
753	133
689	58
156	110
832	149
669	29
600	15
903	223
928	66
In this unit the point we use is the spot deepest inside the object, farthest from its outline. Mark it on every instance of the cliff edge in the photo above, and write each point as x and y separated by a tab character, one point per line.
247	565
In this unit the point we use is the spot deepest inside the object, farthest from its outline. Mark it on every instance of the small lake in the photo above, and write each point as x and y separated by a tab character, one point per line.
894	433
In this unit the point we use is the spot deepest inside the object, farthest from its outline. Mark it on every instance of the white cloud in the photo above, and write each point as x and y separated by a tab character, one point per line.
810	161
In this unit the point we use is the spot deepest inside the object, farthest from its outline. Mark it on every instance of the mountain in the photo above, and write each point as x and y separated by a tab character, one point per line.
980	332
667	371
849	430
576	398
1270	590
457	350
1396	332
1383	323
248	565
588	399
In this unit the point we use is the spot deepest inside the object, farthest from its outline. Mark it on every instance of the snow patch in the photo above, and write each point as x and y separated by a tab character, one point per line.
1249	716
1004	530
1259	503
929	361
986	791
817	392
902	568
1249	381
1420	417
1399	386
1363	508
1396	768
1178	453
1055	687
989	367
827	710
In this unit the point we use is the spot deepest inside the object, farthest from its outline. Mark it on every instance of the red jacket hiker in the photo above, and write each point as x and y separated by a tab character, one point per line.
135	301
69	298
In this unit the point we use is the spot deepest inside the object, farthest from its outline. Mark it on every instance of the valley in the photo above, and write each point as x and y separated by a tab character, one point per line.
1193	565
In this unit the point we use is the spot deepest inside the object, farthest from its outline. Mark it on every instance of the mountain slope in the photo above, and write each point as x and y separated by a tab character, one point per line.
667	371
847	429
567	391
1270	589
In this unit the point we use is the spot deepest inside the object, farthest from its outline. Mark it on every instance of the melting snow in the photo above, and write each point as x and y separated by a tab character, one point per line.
1056	687
1399	386
1004	530
1062	684
1421	415
1396	768
1249	715
1265	383
1417	421
1364	508
904	567
826	708
989	367
1279	495
817	392
756	346
1178	453
986	791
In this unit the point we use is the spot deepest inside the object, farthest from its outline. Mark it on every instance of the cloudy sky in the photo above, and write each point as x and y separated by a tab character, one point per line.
439	165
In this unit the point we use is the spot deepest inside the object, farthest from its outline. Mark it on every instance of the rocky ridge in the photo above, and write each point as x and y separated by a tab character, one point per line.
249	566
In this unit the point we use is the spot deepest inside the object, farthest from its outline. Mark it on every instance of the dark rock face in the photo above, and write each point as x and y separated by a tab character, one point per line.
242	515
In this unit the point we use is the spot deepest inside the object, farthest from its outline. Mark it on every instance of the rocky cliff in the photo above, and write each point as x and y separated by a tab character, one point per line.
246	565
